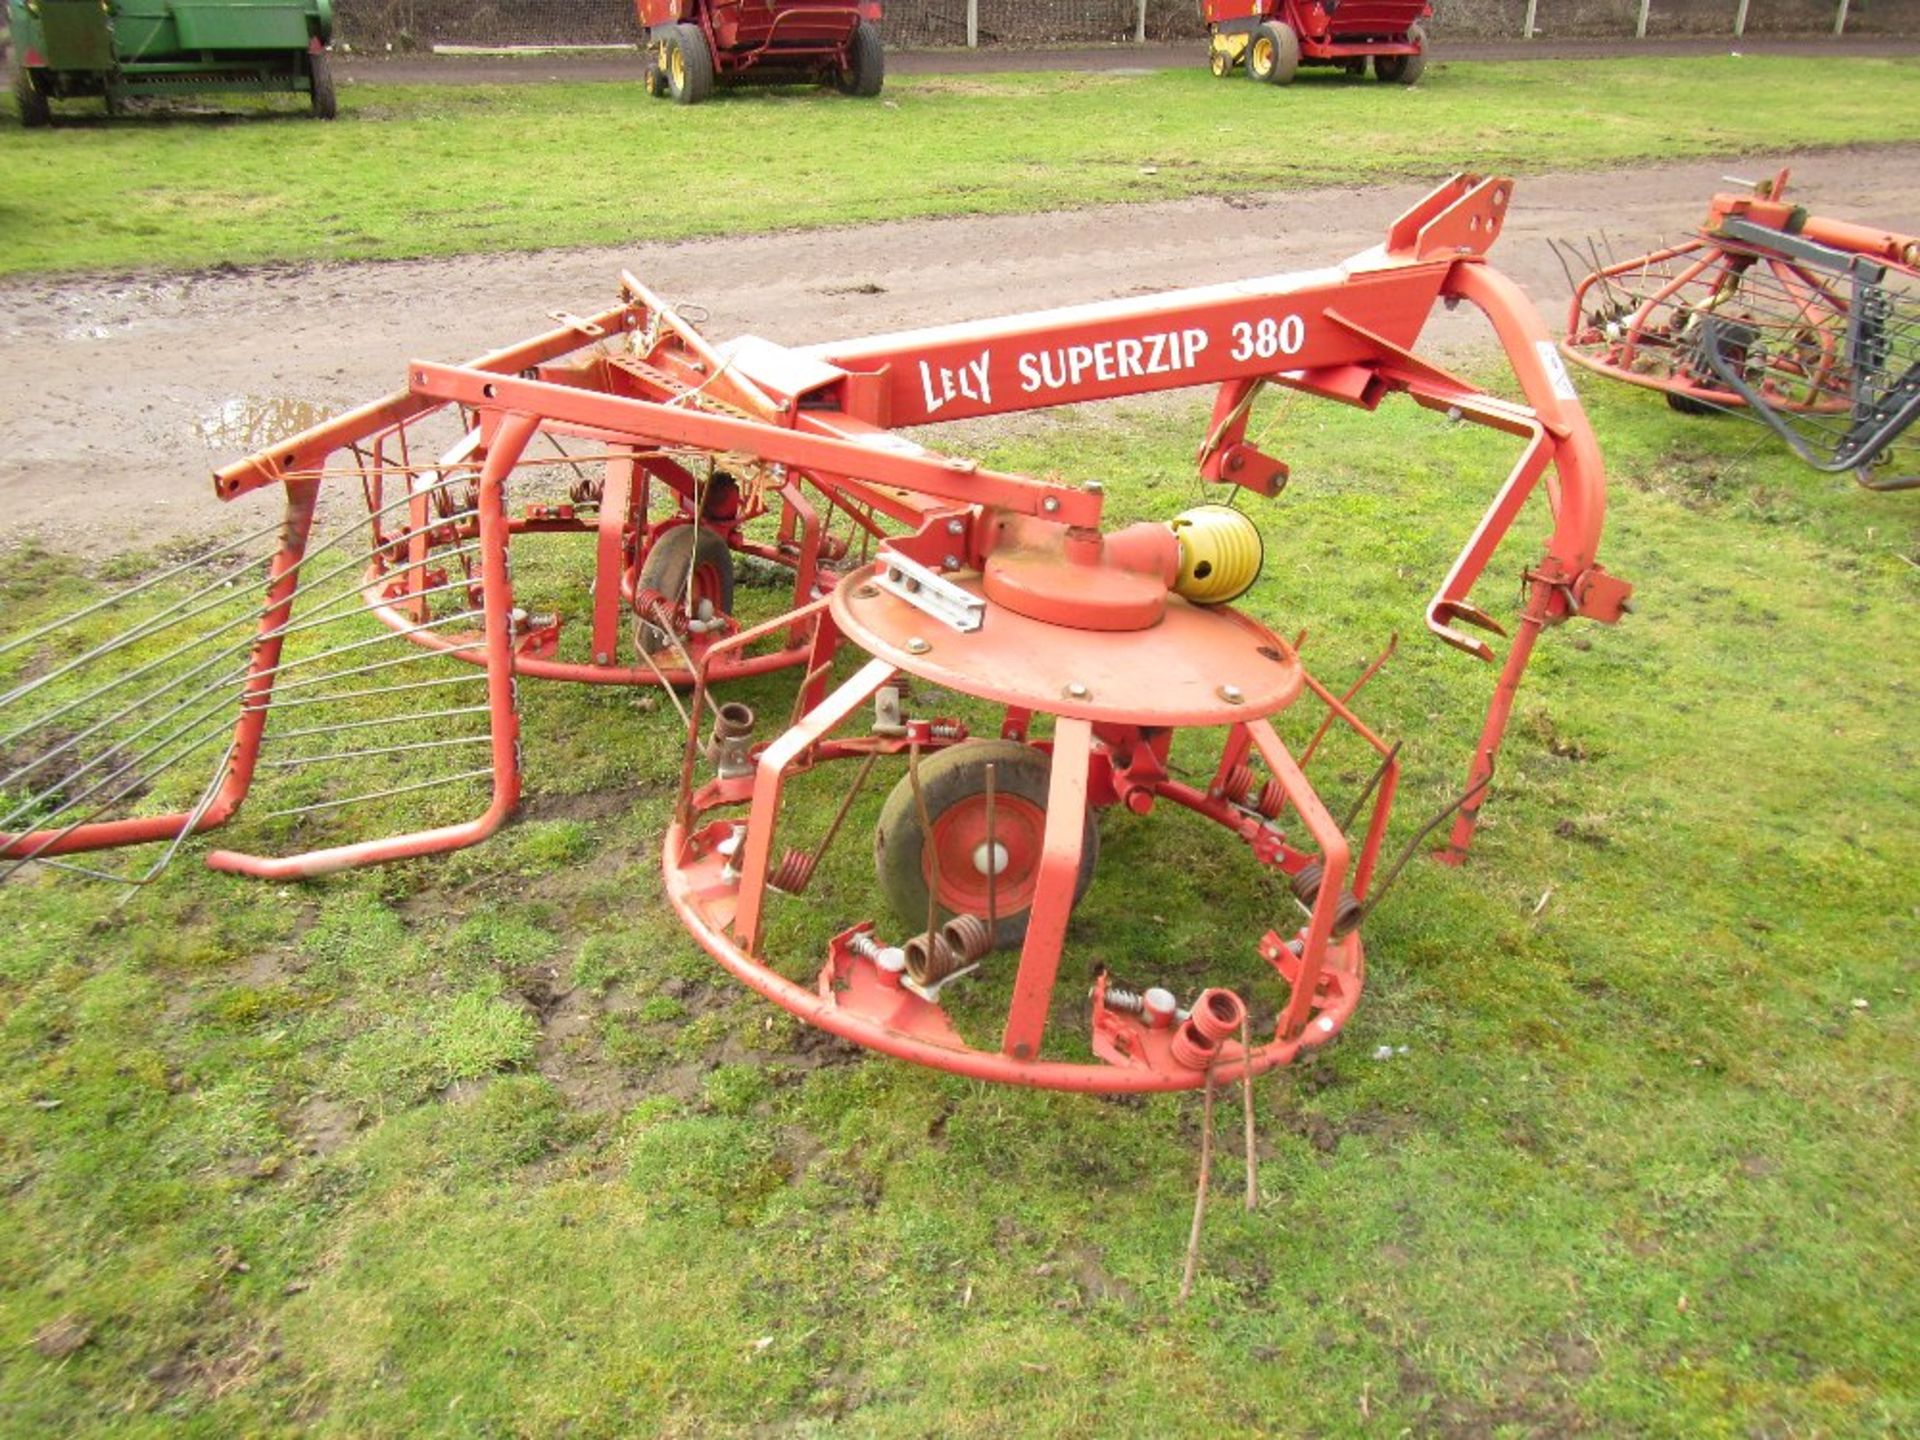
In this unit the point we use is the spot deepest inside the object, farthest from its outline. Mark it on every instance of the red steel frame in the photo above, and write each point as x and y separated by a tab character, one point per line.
823	417
1640	348
1329	34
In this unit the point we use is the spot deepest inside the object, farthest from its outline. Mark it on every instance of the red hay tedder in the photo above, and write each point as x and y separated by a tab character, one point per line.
1274	38
1090	669
693	45
1807	324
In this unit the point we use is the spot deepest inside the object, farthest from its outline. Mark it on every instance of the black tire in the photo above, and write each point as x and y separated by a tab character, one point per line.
1273	54
956	777
682	549
866	69
35	110
1403	69
1219	63
689	65
655	79
1687	405
320	72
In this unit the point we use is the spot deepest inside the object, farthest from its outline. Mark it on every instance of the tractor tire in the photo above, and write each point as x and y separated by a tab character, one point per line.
655	78
689	65
684	549
1220	63
953	783
1273	54
1687	405
35	110
1403	69
320	73
866	69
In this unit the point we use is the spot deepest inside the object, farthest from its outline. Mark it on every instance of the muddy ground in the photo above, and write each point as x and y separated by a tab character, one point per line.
119	395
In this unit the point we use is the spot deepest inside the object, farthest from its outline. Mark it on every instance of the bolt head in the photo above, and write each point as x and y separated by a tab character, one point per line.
1050	504
917	646
1076	691
1232	694
950	562
956	527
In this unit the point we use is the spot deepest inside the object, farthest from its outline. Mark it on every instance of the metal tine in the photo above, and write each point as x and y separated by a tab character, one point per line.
107	754
192	823
411	659
483	739
138	780
174	615
250	618
380	794
385	637
384	720
219	707
232	677
109	601
476	677
229	679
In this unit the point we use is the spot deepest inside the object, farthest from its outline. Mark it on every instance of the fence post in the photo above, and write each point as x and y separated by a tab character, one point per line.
1532	6
973	24
1740	20
1140	25
1640	26
1840	19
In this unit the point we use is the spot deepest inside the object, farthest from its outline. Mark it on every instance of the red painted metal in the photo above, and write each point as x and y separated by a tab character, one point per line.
1347	34
1755	269
992	585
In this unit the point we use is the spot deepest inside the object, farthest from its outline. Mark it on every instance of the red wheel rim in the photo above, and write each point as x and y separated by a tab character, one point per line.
960	842
708	585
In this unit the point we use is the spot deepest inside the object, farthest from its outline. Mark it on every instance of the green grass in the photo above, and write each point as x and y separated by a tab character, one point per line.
439	171
486	1146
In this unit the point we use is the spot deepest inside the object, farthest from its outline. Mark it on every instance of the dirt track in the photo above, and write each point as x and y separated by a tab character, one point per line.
118	396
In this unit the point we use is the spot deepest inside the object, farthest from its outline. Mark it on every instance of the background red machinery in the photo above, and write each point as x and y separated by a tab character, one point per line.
1808	324
1274	38
693	45
1094	655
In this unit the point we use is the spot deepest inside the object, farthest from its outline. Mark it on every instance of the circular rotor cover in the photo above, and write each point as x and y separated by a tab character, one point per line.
1180	671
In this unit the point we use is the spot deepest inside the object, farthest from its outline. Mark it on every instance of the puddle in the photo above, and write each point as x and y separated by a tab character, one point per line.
253	422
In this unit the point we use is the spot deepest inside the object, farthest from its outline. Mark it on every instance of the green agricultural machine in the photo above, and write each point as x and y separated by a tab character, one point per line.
116	49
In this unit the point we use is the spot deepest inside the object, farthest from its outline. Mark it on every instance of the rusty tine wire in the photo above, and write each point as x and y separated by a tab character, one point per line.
1200	1192
1246	1106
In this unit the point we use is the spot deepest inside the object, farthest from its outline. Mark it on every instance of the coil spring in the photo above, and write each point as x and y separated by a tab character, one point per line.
1217	1014
1305	883
794	872
1241	789
953	947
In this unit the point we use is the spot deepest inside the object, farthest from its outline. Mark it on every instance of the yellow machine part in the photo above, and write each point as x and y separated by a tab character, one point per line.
1220	554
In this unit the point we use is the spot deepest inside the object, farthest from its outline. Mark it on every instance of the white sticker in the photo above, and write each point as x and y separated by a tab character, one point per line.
1556	369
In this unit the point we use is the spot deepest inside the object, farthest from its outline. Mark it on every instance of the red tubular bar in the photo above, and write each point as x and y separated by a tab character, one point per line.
504	721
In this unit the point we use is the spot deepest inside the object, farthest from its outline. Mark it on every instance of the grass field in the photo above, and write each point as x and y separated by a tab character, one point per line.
485	1146
441	170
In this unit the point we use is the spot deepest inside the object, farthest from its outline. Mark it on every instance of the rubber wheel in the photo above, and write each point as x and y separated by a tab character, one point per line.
1687	405
684	548
1403	69
1220	63
689	65
320	73
866	68
35	109
1273	54
954	784
655	79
